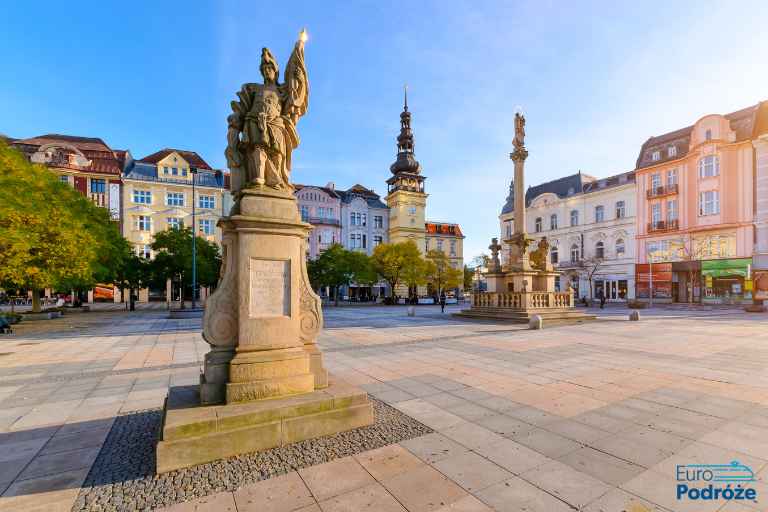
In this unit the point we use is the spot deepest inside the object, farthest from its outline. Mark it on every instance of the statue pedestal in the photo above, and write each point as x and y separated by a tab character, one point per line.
262	322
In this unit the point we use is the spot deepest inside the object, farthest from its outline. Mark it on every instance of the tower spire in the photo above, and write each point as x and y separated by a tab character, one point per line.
405	94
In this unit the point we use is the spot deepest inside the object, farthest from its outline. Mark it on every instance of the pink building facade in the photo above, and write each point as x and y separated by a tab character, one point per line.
321	207
696	207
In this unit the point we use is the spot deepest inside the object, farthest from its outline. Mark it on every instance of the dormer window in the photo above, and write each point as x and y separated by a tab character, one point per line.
656	156
672	151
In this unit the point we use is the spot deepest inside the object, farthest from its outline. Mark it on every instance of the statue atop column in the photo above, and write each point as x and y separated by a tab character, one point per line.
494	263
261	131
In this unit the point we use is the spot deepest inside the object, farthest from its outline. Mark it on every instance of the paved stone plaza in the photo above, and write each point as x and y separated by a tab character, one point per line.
588	417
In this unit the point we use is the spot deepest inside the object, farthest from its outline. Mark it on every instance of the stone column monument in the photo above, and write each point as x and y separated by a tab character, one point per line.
263	382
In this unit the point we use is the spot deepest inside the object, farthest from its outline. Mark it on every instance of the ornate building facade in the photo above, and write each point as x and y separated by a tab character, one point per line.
695	221
321	207
158	195
590	226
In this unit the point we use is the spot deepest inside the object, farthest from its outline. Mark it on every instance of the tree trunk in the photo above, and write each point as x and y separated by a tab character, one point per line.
336	295
131	303
36	301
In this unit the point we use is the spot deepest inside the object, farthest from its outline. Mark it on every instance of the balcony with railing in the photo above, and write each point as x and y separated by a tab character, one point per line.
663	225
322	220
99	199
661	191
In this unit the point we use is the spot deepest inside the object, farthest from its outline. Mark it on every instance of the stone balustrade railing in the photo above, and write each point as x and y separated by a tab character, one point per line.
523	300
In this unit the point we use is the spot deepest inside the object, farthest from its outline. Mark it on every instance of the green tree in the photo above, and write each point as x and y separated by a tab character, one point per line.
468	273
336	267
50	235
398	263
439	272
134	273
174	259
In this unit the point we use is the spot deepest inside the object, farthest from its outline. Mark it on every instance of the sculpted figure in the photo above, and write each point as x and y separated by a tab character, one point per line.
519	141
539	257
261	133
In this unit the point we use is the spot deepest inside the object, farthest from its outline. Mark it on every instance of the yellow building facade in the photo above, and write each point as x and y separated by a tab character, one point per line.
158	195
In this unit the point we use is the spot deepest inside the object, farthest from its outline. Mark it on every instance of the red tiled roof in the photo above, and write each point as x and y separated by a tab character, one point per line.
193	158
443	228
103	159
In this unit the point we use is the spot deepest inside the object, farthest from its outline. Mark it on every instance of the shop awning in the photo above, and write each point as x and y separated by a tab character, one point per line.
722	268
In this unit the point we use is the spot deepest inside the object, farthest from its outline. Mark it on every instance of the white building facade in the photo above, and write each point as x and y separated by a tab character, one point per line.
590	226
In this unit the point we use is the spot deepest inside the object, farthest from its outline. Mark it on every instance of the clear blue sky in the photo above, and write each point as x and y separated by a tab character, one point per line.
595	80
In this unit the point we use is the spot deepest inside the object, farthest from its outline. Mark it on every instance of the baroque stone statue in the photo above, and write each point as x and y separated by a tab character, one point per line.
540	257
261	130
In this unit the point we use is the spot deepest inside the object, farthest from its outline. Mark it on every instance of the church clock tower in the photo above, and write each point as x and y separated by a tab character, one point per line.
405	197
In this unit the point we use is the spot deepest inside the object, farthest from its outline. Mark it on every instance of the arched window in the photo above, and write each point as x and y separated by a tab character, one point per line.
709	166
620	248
553	221
553	256
538	225
600	250
574	253
574	217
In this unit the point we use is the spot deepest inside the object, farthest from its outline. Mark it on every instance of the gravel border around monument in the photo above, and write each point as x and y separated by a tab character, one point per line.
123	476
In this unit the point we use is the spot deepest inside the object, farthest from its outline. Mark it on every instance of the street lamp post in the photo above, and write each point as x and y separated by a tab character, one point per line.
193	170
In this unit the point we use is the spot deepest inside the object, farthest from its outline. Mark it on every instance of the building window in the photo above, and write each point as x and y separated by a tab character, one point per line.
364	240
165	170
144	251
175	171
655	181
330	212
621	209
321	211
553	221
599	213
538	224
709	166
620	249
98	186
377	240
174	223
142	196
356	241
709	203
411	210
672	177
656	156
365	219
509	230
184	171
553	254
708	135
440	244
304	213
574	253
64	179
656	213
174	199
574	217
671	210
206	202
672	151
600	250
453	247
205	226
144	223
378	221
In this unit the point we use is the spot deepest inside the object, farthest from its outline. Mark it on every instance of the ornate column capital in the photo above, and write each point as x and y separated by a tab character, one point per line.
519	154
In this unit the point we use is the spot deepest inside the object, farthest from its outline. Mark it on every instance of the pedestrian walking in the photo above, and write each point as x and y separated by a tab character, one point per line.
442	302
601	296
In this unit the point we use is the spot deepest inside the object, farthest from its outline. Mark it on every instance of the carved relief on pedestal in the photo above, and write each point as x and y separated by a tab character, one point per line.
220	318
311	312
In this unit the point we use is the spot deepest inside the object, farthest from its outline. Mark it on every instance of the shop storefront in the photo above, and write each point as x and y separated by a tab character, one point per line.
726	281
660	282
686	281
614	290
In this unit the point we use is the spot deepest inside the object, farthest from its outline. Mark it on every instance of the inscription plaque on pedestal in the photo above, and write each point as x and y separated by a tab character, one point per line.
270	286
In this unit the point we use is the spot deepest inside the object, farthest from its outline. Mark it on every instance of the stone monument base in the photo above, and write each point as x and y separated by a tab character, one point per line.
519	307
195	434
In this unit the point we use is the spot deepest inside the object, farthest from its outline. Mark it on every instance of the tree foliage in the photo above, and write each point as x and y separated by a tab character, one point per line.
173	259
439	272
51	236
399	263
337	266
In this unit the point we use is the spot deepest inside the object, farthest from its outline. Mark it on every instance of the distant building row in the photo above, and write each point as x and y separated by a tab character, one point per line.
688	224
